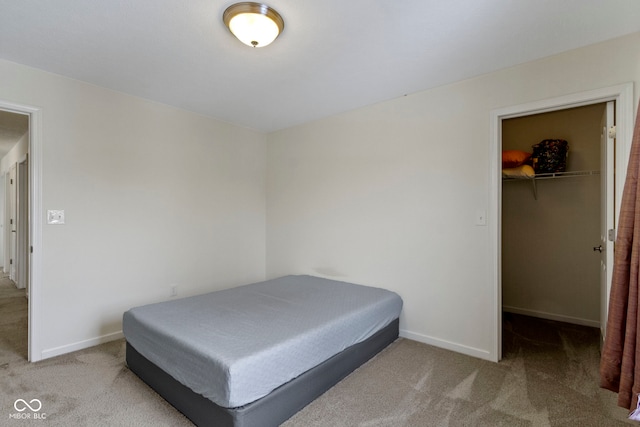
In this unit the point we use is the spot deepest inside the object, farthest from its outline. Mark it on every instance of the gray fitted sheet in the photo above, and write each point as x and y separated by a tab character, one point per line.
237	345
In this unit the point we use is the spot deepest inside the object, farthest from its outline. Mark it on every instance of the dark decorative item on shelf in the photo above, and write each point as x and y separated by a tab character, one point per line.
550	156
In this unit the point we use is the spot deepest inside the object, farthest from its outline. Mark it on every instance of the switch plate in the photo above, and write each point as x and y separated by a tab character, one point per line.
55	217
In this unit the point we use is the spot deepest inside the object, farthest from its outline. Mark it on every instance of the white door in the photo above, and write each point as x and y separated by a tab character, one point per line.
13	211
607	216
22	254
6	229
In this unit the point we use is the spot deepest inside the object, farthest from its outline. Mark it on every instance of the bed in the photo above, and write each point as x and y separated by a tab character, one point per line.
255	355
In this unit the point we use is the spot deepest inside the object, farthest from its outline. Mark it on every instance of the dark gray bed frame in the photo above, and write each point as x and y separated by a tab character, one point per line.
272	409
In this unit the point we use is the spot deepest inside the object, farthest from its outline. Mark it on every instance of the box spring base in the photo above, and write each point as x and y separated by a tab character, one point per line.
272	409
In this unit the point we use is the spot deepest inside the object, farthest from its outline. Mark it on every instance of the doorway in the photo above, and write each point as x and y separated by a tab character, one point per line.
622	95
31	170
14	146
551	224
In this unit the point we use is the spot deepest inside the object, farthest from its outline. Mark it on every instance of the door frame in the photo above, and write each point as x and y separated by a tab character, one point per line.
622	95
12	219
35	224
22	226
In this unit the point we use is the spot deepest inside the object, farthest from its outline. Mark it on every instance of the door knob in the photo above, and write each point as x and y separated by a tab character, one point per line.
597	248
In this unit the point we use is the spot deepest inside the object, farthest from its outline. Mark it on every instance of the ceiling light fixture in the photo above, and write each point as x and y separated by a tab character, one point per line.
254	24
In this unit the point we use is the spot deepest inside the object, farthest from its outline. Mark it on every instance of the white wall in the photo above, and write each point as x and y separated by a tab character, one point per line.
387	195
16	154
153	196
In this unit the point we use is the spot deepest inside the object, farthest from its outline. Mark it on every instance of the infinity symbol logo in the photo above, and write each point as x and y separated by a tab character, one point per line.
21	405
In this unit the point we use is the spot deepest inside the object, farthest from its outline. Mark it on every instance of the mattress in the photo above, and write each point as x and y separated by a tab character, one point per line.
237	345
276	407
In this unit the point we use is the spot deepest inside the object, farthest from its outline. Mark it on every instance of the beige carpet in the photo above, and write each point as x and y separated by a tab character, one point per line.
13	322
548	378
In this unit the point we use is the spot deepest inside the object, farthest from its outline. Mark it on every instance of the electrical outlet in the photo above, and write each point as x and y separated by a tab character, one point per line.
174	291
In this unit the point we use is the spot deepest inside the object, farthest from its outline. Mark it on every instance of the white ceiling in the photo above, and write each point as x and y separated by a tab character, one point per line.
333	56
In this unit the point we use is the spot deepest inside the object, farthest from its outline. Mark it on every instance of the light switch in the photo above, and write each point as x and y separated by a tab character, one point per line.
55	217
481	217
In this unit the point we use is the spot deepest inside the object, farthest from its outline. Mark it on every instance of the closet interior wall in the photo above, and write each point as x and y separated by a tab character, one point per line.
549	267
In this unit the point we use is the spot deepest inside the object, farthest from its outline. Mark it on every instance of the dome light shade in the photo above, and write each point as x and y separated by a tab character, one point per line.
254	24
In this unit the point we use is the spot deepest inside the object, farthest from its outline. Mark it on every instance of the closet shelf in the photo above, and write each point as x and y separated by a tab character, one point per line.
554	175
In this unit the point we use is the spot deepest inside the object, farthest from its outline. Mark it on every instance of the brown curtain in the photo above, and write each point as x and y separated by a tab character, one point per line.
620	361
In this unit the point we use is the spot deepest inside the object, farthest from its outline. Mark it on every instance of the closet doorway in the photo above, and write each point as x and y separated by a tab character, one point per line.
623	110
552	247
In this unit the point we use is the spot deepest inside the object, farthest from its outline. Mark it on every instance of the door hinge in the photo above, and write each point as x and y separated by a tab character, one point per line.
31	249
611	235
11	181
11	261
612	132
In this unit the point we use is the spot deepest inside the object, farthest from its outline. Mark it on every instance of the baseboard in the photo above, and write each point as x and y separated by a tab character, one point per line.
447	345
425	339
81	345
552	316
